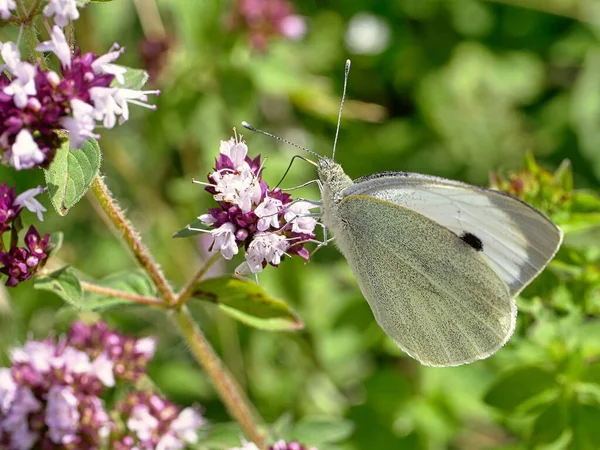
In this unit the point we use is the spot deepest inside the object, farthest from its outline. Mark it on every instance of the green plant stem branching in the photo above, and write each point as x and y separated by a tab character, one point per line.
188	290
236	402
132	239
109	292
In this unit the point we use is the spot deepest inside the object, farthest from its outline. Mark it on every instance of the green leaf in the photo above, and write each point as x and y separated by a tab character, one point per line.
579	222
282	427
132	282
191	229
550	424
71	174
219	436
588	336
563	175
318	432
134	78
64	283
585	201
513	389
586	432
249	303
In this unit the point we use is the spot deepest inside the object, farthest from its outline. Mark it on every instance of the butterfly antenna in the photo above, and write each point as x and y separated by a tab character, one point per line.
337	130
256	130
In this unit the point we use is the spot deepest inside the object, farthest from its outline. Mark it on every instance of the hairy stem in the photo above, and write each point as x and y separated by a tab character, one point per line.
188	290
90	287
237	404
223	382
133	240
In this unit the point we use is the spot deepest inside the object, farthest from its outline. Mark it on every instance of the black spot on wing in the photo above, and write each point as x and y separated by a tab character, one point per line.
472	240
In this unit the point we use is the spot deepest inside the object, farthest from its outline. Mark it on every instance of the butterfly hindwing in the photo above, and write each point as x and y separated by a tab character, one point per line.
440	301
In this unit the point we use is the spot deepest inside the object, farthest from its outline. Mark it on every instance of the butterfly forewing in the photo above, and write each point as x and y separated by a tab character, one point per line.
429	291
515	239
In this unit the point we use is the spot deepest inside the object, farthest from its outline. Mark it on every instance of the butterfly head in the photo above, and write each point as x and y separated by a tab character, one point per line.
332	175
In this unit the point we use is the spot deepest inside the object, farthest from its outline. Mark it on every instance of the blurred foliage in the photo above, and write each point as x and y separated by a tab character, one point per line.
460	88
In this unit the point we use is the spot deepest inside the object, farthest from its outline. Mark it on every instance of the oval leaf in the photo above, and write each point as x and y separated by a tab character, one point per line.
71	174
249	303
134	78
585	420
549	425
131	282
64	283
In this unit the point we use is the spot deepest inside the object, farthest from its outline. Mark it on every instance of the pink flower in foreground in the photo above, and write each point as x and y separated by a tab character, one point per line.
154	423
53	396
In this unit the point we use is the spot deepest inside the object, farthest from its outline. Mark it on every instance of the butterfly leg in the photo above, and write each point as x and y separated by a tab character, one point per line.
325	242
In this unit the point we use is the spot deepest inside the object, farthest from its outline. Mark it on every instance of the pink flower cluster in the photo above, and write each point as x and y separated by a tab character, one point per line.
36	103
279	445
20	263
53	396
154	423
267	223
265	19
130	356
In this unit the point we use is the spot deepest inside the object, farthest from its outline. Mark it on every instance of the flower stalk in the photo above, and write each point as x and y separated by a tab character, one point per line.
132	239
150	301
188	290
223	382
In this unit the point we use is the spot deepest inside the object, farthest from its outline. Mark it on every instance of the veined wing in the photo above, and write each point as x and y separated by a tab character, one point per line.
428	289
516	240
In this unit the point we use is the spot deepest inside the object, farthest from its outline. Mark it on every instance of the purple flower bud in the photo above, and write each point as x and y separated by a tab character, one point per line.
8	210
20	264
241	235
34	104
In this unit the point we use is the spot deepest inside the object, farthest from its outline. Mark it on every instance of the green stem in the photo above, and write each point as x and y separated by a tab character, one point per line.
34	10
150	301
188	290
223	382
237	404
133	240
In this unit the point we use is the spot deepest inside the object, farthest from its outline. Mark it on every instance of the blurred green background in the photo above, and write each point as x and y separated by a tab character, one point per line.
455	88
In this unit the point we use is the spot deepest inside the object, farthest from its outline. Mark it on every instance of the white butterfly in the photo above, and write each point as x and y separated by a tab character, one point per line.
439	261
